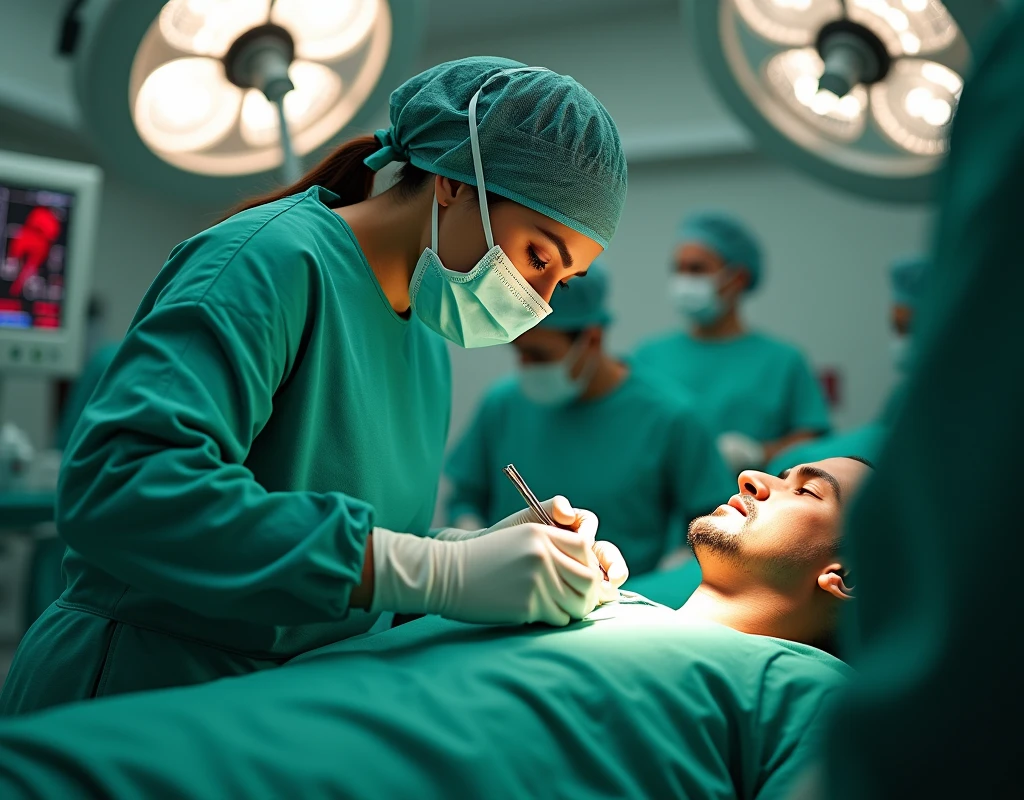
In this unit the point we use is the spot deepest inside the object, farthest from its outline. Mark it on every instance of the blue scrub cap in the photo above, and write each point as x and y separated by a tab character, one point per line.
727	236
909	276
582	303
546	142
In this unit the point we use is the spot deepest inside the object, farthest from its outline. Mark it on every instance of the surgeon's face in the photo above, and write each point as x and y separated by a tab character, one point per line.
781	528
544	251
699	261
546	346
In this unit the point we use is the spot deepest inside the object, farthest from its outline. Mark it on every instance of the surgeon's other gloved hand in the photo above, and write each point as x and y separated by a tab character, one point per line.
741	452
525	573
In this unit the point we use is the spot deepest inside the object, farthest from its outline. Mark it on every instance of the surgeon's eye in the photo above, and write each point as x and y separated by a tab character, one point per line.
535	260
805	490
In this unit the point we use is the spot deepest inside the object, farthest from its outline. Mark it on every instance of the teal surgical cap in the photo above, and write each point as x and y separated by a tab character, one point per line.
733	241
909	276
581	303
545	141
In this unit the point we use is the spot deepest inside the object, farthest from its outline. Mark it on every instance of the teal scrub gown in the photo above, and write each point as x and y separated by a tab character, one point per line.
936	535
751	384
265	411
638	457
633	702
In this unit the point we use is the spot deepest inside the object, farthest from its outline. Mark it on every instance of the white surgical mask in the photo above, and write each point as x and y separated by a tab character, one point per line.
696	298
899	351
552	384
490	304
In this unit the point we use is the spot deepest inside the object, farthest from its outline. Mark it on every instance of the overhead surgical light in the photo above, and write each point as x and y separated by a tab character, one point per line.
858	92
209	96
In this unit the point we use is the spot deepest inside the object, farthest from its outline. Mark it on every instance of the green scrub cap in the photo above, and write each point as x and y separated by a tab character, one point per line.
734	242
545	141
909	276
582	303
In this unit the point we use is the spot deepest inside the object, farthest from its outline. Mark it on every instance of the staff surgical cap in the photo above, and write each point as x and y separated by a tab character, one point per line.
581	303
545	141
909	276
725	235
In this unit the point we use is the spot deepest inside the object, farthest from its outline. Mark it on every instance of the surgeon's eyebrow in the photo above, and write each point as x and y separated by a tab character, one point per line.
559	242
817	472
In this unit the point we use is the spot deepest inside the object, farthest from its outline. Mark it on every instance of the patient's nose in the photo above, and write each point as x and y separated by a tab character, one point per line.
754	484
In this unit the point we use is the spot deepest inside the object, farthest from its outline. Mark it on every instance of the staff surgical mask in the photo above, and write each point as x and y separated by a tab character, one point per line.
696	298
552	384
492	303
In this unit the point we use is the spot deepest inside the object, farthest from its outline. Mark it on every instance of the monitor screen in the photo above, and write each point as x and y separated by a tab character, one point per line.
33	256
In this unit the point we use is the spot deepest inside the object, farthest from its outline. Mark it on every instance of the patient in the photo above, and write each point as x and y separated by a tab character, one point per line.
721	699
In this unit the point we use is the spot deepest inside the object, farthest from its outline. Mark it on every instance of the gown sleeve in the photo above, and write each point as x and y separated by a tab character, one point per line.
154	489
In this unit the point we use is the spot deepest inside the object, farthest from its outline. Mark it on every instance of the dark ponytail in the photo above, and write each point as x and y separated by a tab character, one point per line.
342	172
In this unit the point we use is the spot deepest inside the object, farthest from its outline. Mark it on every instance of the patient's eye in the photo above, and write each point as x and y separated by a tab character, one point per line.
805	490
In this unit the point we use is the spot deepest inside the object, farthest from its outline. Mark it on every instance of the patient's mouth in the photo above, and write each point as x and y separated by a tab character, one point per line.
738	502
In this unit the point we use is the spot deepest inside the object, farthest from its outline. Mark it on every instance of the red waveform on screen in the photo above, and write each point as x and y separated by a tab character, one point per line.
32	244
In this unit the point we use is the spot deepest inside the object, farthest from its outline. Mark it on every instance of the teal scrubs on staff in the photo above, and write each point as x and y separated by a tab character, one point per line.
864	442
639	457
751	384
935	537
266	410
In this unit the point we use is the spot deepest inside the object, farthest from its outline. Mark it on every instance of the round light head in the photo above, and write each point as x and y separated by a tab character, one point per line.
859	93
157	100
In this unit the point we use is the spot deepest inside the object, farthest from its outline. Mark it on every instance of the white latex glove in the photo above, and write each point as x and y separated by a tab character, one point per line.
740	452
558	508
526	573
584	522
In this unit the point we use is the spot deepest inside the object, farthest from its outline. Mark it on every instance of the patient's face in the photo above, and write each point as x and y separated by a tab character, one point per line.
780	527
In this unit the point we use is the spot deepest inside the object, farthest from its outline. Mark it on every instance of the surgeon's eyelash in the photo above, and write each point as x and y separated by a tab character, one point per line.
535	260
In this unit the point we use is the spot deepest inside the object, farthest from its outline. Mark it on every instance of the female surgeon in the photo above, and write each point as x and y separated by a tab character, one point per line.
255	474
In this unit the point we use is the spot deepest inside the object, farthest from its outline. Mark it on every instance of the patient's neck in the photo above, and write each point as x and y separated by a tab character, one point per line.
749	609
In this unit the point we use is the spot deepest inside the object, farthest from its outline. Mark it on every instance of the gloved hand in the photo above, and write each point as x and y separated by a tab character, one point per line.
741	452
525	573
558	508
581	520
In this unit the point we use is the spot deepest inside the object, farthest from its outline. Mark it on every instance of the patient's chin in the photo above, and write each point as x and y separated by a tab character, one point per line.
715	532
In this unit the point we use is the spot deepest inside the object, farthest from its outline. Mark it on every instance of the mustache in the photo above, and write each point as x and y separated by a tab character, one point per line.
750	505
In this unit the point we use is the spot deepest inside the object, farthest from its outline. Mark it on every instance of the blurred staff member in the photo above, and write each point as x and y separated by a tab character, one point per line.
909	276
578	422
757	394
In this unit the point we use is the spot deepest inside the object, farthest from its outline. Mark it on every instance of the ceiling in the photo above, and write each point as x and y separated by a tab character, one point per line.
461	17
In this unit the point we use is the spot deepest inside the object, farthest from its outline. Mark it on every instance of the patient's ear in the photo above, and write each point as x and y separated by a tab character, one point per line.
833	580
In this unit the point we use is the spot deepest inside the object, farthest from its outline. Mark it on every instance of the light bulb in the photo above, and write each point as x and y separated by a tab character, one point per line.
943	76
793	78
317	88
918	101
849	107
824	102
186	105
914	105
915	6
805	87
209	27
897	19
938	113
911	43
325	30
